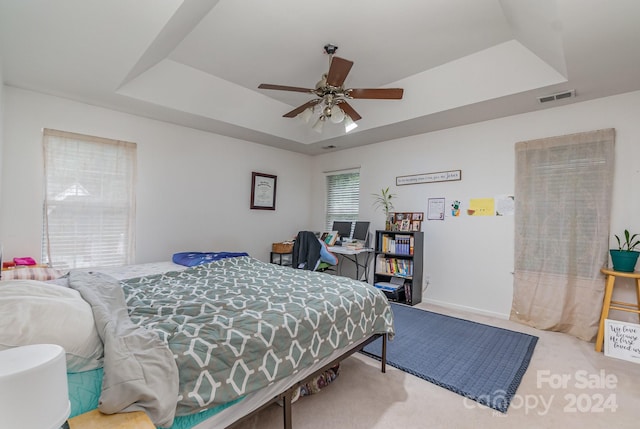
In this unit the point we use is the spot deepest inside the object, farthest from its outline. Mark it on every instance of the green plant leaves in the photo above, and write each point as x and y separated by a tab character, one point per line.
383	200
628	244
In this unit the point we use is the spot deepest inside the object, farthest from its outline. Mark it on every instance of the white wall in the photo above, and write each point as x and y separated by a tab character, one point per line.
469	260
1	141
193	190
194	187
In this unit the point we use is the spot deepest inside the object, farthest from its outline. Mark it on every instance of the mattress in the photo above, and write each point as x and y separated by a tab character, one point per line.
137	270
85	388
84	394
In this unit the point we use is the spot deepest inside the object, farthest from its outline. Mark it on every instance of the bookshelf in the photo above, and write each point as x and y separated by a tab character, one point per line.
398	265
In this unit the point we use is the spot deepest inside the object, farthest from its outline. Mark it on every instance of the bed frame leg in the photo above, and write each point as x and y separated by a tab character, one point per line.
286	408
383	358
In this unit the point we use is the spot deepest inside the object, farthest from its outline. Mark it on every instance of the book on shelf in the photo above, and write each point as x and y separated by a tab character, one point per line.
394	284
404	244
388	244
407	292
400	244
397	266
389	287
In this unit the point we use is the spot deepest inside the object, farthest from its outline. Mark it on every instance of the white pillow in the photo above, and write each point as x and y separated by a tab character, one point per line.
33	312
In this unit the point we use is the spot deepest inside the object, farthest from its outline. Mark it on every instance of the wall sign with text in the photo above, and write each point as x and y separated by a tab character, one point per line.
440	176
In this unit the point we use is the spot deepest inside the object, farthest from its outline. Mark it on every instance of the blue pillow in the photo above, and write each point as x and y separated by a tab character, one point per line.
190	259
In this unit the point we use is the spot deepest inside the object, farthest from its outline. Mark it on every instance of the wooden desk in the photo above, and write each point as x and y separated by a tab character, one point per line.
617	305
96	420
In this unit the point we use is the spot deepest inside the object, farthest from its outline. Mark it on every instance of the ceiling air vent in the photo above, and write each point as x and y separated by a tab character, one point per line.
558	96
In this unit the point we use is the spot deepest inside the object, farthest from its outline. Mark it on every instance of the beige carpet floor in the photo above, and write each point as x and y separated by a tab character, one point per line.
567	385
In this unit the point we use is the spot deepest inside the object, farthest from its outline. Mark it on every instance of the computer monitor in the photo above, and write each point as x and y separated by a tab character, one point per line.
361	231
343	228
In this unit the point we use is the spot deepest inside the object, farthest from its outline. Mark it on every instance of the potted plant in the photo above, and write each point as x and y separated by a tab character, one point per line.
383	200
625	257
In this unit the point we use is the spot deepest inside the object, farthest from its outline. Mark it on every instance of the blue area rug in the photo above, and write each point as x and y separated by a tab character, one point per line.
480	362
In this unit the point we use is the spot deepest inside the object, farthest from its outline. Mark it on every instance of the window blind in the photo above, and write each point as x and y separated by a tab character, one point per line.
343	197
562	190
89	205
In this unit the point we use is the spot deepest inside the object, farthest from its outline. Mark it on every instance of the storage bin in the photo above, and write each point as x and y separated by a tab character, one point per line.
283	247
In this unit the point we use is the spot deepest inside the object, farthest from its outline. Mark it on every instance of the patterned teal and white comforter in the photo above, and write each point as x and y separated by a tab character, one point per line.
239	324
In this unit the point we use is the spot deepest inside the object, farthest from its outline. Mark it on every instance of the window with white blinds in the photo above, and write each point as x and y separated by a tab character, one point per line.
343	197
89	206
563	199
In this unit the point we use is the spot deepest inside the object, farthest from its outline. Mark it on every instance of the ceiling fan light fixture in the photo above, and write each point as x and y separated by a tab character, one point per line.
349	125
331	93
306	115
317	127
337	114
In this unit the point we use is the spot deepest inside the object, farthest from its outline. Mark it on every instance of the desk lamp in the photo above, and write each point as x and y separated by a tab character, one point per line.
33	387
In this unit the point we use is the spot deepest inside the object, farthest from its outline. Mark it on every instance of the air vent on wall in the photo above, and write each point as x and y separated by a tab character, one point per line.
558	96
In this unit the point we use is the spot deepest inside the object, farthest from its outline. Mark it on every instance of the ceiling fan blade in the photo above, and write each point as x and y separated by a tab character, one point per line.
285	88
349	111
376	93
295	112
338	71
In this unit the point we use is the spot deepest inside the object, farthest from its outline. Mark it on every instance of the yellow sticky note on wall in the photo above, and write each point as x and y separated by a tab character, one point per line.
481	207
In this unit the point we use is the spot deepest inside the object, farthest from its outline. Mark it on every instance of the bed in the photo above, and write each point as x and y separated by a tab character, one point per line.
229	337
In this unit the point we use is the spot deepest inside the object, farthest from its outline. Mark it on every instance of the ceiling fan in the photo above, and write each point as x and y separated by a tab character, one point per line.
332	96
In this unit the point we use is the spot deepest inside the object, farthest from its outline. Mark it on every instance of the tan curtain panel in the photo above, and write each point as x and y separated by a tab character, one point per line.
563	198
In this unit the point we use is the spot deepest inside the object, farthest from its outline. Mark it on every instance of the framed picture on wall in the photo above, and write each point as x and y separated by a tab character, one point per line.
263	191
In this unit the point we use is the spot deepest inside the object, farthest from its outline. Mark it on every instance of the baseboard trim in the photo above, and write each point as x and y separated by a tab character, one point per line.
467	309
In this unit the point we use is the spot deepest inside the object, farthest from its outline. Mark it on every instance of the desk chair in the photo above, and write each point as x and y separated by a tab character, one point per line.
309	253
328	261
